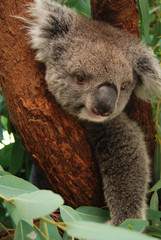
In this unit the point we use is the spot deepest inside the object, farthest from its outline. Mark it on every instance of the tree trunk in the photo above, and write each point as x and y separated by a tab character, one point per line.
55	140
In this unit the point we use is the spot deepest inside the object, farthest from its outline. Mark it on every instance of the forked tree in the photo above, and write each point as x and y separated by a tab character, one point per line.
56	141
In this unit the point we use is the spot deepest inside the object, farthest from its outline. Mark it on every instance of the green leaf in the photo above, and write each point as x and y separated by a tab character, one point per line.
3	173
152	18
4	122
93	214
25	231
157	164
157	34
136	224
5	155
154	9
80	6
154	231
17	155
11	186
13	213
3	110
156	187
68	214
50	230
154	203
36	204
98	231
144	9
1	168
1	132
153	214
83	8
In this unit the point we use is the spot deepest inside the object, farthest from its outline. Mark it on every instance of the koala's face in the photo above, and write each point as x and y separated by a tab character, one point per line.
91	67
85	82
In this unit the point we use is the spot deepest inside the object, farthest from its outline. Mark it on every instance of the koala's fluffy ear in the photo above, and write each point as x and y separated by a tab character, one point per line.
149	71
50	22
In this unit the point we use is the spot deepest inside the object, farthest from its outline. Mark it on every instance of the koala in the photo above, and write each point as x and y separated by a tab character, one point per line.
92	68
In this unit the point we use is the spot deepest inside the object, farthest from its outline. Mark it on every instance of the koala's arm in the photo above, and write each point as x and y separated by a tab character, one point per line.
122	157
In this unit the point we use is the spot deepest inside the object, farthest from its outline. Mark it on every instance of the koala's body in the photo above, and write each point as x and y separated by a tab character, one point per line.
92	69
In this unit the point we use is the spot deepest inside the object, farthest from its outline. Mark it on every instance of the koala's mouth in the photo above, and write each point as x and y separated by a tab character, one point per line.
86	114
92	115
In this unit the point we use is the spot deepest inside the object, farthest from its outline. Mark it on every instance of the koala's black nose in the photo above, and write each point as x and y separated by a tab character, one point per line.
105	100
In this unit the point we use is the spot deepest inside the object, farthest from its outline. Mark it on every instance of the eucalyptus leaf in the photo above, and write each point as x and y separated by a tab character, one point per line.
98	231
93	214
136	224
2	173
1	168
50	229
36	204
68	214
153	214
25	231
13	213
11	186
156	187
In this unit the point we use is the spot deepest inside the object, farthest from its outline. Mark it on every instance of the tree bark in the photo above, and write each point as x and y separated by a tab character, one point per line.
55	140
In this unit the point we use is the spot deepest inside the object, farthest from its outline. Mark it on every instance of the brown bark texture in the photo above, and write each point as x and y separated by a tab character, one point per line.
55	140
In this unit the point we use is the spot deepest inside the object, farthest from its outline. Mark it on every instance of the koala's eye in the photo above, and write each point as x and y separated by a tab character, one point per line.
80	79
122	88
124	85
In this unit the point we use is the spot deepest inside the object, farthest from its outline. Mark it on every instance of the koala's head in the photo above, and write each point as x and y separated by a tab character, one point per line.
91	68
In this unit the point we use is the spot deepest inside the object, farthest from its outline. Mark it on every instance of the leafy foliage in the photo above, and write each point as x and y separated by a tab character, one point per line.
25	203
81	6
13	156
150	28
150	23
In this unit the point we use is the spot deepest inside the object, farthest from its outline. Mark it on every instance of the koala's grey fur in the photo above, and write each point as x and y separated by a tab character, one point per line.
112	65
